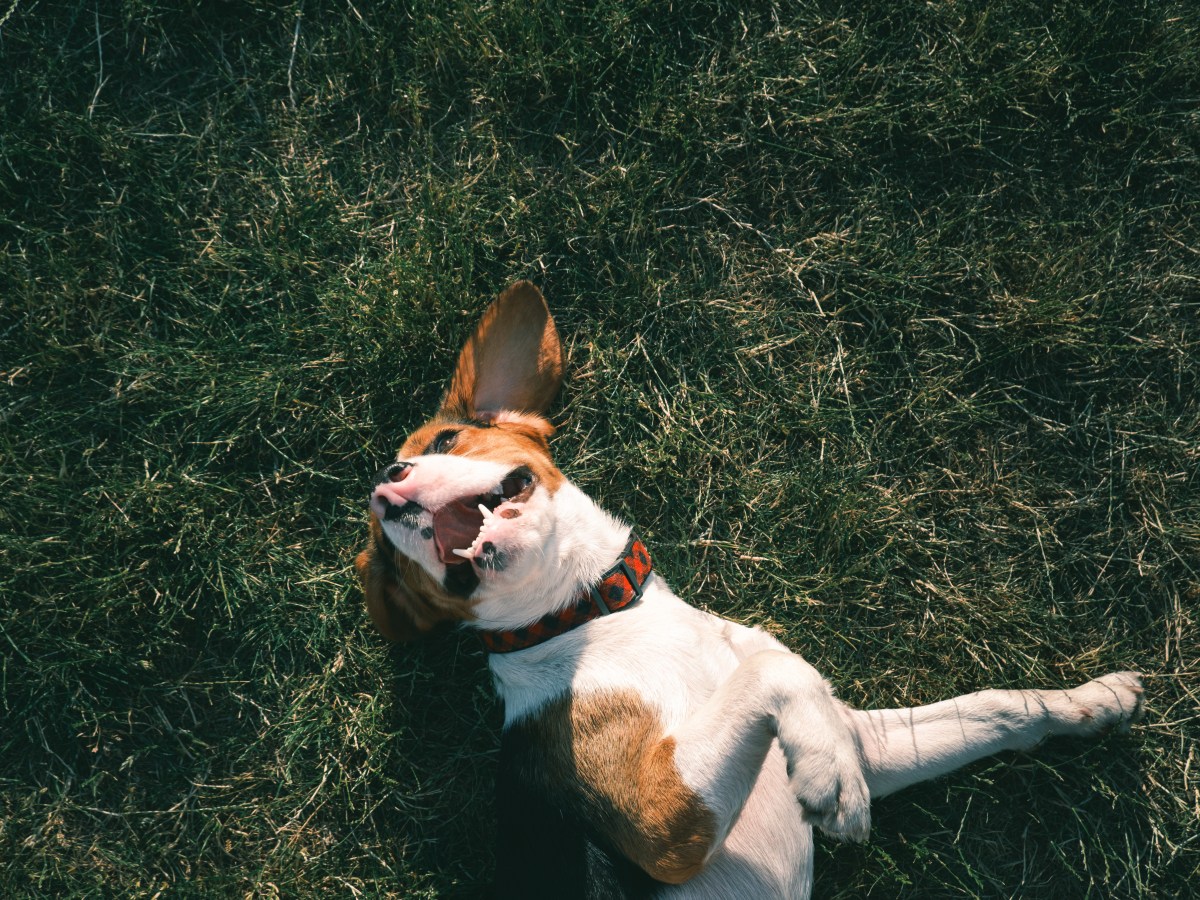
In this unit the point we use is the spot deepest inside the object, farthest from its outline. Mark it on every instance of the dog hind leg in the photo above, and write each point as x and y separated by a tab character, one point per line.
903	746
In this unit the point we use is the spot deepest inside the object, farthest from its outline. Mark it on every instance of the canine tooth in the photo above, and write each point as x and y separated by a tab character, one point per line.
465	554
487	513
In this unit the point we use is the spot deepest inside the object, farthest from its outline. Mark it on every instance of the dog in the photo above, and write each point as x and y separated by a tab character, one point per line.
648	748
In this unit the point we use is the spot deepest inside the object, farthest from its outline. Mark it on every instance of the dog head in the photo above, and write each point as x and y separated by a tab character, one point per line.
467	510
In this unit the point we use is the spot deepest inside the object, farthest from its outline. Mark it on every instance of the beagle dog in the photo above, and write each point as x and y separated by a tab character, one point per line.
648	748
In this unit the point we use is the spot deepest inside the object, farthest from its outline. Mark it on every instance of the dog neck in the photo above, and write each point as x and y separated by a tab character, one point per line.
584	545
617	588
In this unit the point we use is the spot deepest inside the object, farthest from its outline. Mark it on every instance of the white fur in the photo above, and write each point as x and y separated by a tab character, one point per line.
565	553
435	480
740	706
742	709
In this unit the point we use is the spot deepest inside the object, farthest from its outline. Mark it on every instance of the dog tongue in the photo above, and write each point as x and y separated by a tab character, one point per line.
455	526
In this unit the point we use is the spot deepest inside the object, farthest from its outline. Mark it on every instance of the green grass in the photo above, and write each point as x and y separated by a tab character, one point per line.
882	321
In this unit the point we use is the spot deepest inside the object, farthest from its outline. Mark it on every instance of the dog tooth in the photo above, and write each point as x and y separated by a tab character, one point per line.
465	554
487	513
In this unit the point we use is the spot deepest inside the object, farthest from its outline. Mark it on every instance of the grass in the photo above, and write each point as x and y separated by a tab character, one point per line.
883	329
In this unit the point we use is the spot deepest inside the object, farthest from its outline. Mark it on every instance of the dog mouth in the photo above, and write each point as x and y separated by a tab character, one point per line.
458	525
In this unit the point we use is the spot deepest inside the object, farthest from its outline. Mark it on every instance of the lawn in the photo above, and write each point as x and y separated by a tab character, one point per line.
883	322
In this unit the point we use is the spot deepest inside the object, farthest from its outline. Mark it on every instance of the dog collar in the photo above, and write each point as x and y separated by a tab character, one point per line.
617	588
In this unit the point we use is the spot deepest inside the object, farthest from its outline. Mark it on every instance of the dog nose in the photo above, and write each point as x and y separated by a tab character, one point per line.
397	471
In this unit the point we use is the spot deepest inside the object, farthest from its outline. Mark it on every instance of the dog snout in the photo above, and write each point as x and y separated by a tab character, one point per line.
390	500
393	472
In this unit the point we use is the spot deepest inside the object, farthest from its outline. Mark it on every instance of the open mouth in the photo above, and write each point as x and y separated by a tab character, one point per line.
457	526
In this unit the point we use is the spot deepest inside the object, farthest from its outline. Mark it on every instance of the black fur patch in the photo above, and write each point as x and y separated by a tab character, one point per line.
460	579
407	515
543	849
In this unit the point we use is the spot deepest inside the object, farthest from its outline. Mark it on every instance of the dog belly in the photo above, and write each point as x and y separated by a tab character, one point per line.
769	852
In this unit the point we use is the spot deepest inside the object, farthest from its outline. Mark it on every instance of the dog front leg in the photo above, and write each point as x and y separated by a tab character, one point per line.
773	694
903	746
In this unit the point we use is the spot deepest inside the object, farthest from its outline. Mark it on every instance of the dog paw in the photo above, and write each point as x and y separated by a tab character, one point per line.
1110	703
825	775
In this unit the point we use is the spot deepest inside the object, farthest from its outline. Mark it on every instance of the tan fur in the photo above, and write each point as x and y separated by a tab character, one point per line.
402	600
610	748
515	441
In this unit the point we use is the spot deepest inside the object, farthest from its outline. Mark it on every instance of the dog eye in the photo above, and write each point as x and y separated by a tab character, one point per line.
443	442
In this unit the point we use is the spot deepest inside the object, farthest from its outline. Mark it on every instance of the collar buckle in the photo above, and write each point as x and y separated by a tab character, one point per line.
599	601
628	572
634	585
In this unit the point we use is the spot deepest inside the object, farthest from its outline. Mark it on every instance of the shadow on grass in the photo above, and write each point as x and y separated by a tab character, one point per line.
440	816
1051	823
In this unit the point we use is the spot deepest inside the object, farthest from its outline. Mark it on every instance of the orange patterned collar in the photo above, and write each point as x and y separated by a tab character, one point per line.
617	588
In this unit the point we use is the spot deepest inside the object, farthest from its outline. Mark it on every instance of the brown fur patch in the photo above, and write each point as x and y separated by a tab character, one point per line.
518	442
608	755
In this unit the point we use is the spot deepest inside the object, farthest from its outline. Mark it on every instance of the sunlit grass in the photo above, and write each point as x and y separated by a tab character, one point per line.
882	322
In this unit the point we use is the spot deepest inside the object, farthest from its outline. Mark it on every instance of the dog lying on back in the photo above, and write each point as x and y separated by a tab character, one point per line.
649	748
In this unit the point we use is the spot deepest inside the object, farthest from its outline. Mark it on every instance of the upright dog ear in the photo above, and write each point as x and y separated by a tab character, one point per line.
513	361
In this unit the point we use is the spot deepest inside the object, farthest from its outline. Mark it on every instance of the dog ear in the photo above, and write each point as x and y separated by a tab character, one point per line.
387	601
402	601
513	361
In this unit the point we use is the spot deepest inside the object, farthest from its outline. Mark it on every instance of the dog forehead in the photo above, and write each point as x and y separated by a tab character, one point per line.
509	444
